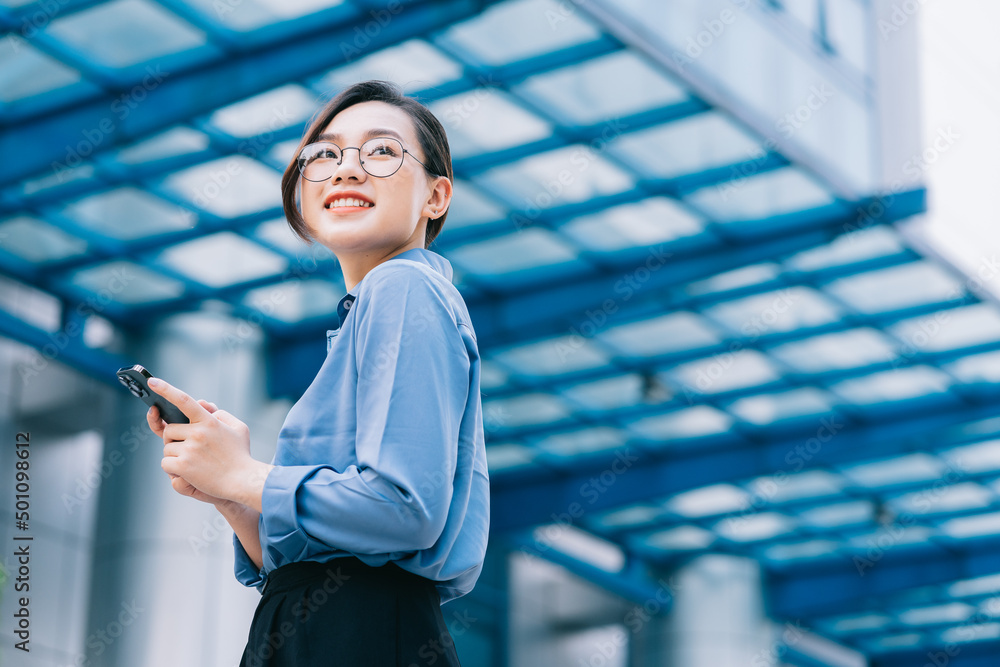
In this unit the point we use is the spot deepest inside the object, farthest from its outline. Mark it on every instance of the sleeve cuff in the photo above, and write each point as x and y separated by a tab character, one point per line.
246	571
281	534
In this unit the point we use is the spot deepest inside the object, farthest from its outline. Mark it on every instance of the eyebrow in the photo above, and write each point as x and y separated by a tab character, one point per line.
373	132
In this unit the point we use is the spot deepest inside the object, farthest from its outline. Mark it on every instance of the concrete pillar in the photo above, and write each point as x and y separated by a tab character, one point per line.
163	589
717	619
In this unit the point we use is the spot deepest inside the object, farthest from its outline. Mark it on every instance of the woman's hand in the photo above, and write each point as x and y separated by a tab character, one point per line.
179	484
211	454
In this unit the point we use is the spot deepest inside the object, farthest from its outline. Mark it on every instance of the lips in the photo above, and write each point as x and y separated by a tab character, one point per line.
347	199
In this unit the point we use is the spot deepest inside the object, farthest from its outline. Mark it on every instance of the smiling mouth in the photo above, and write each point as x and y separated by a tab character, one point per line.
349	202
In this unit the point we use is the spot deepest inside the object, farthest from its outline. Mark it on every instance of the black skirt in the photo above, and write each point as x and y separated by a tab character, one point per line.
344	612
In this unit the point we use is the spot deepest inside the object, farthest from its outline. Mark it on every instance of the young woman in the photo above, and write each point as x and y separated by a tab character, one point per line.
375	509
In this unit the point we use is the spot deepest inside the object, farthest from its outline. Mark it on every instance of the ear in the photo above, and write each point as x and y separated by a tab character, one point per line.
439	200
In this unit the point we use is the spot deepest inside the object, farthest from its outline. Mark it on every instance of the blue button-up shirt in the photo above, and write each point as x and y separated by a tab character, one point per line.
384	457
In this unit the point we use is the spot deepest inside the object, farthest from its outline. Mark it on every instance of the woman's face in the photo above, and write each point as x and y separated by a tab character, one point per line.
398	207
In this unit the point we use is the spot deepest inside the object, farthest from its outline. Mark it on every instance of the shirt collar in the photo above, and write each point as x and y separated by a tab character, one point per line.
422	255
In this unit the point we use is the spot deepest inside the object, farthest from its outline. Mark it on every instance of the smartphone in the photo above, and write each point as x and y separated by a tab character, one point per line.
135	379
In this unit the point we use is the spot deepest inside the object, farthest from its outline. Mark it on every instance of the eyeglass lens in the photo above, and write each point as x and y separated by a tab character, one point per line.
381	156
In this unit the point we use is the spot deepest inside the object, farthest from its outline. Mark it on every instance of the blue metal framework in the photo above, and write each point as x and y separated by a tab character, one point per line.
703	340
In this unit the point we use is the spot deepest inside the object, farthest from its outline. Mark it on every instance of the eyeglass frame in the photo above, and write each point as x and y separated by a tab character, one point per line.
343	150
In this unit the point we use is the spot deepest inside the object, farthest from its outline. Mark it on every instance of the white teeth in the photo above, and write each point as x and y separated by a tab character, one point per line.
347	201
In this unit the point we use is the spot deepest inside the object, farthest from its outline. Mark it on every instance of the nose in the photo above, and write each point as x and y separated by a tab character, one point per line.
350	167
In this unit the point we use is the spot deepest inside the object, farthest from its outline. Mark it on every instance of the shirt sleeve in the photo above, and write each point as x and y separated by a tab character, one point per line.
413	385
247	572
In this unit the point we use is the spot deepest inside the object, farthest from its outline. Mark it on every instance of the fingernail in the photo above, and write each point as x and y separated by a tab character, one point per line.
153	382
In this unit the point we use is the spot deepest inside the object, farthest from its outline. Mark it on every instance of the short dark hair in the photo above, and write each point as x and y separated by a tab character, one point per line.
430	133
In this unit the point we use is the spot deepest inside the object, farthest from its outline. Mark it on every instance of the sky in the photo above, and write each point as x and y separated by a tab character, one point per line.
960	88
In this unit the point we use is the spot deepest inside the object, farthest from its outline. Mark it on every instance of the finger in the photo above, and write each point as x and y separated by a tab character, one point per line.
208	405
190	407
155	423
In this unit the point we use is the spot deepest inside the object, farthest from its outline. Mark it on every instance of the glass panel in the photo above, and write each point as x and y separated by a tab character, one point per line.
527	249
787	487
944	499
554	356
519	29
755	527
25	71
847	29
30	305
806	12
414	64
128	282
687	423
745	276
896	287
491	376
800	550
901	469
838	515
487	119
682	538
893	385
37	241
275	109
526	410
687	146
584	441
296	300
604	88
129	213
725	372
617	392
126	32
780	310
708	501
223	259
630	517
765	409
571	174
582	546
972	526
976	368
246	15
649	222
856	246
783	190
469	206
951	329
228	187
177	141
505	456
845	349
977	458
666	333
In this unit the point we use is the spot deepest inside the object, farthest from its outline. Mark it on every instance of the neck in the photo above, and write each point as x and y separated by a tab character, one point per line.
356	267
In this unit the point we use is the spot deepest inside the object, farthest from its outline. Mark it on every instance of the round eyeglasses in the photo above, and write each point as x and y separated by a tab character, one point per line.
380	157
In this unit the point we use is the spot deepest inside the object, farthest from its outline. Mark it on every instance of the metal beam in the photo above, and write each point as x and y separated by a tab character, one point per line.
630	474
848	586
48	141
